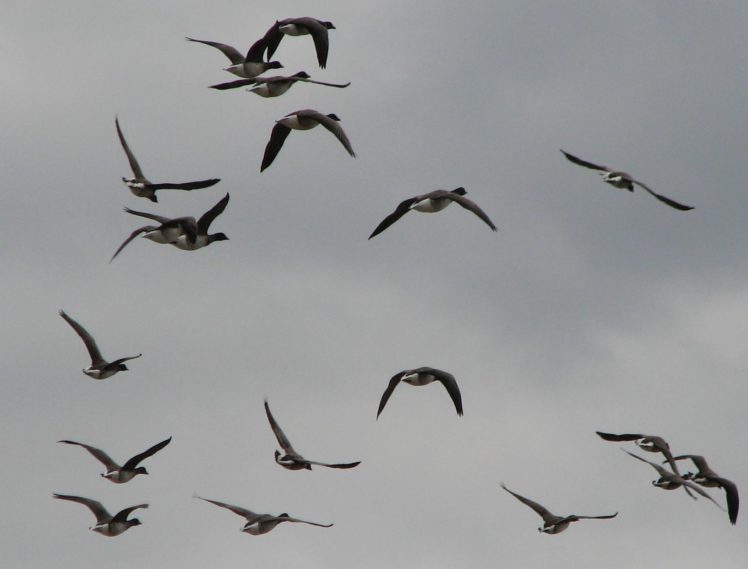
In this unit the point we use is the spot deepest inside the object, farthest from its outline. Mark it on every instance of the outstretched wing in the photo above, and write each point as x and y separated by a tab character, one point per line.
663	199
338	465
330	124
134	166
234	56
248	514
402	208
197	185
273	38
133	462
388	392
470	205
94	505
584	163
132	236
97	453
90	343
450	384
279	434
207	218
233	84
618	438
543	512
121	516
297	520
277	138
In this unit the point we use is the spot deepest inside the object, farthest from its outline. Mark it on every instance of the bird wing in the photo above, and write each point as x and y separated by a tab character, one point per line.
297	520
543	512
581	162
97	453
121	360
133	462
273	37
618	438
699	461
230	52
731	494
132	236
279	434
233	84
663	199
394	380
338	465
134	166
277	138
470	205
93	350
450	384
319	34
330	124
121	516
661	471
160	218
402	208
248	514
256	50
207	218
338	85
197	185
94	505
574	517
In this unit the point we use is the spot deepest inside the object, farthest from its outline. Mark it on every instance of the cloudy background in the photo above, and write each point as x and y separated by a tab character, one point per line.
590	309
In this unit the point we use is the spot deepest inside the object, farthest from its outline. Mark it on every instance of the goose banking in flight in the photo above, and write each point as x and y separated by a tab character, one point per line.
423	376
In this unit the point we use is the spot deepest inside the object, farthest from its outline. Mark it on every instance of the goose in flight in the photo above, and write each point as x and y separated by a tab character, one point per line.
274	86
258	524
292	460
304	119
248	66
301	27
551	522
423	376
99	368
182	232
116	473
140	185
620	179
707	477
432	202
671	481
106	524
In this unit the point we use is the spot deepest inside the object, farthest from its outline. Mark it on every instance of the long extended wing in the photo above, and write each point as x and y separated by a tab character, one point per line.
338	465
584	163
279	434
94	505
330	124
248	514
297	520
402	208
663	199
132	236
234	56
542	511
88	340
318	31
450	384
121	516
388	392
133	462
197	185
207	218
277	137
470	205
134	166
97	453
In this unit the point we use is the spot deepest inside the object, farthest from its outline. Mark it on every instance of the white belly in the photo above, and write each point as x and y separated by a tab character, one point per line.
247	70
186	245
430	206
294	122
99	374
162	236
294	30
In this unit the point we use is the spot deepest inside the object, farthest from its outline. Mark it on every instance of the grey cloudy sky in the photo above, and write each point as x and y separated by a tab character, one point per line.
591	308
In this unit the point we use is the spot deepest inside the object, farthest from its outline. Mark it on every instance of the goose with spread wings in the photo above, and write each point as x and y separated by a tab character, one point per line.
274	86
258	524
423	376
619	179
246	66
432	202
301	27
551	522
114	472
182	232
142	187
710	479
292	460
99	368
304	119
106	523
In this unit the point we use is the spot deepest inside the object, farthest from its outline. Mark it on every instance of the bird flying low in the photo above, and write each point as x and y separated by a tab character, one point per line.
99	368
432	202
116	473
106	524
301	27
423	376
292	460
258	524
143	188
623	180
551	522
304	119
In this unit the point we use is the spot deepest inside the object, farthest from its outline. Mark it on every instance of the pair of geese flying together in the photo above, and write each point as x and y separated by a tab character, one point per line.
672	480
183	232
253	64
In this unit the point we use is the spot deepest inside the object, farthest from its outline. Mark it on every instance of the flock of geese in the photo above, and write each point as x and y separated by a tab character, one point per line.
190	234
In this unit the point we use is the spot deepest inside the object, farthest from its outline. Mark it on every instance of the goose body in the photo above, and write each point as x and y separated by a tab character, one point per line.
301	27
710	479
245	66
423	376
106	524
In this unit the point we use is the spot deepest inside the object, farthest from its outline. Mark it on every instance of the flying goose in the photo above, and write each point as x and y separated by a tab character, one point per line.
99	368
141	186
274	86
292	460
707	477
620	179
301	27
248	66
423	376
258	524
649	443
304	119
116	473
671	481
551	522
182	232
106	524
432	202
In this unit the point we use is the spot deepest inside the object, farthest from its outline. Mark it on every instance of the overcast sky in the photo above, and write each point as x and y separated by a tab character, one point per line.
591	309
